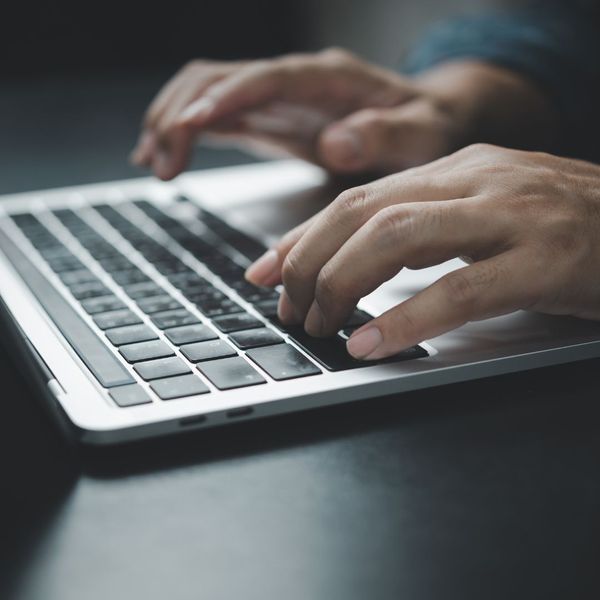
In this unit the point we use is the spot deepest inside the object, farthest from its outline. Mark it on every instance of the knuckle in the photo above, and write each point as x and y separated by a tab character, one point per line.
479	149
336	57
350	202
291	270
392	225
326	286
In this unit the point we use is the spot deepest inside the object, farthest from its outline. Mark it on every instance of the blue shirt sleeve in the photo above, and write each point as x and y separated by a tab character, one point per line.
556	45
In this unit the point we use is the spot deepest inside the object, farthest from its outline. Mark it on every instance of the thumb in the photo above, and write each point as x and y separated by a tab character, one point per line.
380	139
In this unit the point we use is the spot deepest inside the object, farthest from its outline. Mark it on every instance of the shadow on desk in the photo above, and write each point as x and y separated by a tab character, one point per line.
551	414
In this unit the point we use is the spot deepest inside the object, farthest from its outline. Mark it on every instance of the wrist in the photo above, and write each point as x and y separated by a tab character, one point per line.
491	104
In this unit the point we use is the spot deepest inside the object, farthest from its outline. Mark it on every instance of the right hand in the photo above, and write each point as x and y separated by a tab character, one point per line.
330	108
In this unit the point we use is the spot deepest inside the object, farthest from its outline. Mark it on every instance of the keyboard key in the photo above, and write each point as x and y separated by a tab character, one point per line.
162	367
190	333
174	318
179	387
116	318
129	277
92	289
230	373
237	322
130	395
209	350
332	354
69	263
130	334
217	308
283	362
267	308
74	277
102	304
187	280
253	338
143	290
157	304
145	351
358	318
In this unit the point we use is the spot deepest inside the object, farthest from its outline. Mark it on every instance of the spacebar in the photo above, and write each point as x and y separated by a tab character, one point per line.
97	357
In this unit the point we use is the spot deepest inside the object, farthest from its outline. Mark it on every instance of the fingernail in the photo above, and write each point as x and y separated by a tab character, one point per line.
263	268
285	310
314	320
364	342
200	109
139	152
346	145
163	162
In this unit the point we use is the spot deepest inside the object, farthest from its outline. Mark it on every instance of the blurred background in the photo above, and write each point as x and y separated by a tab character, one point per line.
75	77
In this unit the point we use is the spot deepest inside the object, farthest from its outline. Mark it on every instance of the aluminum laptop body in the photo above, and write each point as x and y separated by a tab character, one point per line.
263	200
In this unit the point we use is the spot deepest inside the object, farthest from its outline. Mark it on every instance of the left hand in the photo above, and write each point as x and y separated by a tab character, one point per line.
529	223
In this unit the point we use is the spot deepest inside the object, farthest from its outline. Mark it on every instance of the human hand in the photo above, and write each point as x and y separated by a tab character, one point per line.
529	223
330	108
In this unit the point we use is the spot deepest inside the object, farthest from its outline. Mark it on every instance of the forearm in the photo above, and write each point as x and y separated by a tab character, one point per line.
551	48
494	105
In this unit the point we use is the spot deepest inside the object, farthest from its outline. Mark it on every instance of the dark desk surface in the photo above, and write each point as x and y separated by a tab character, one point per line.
485	490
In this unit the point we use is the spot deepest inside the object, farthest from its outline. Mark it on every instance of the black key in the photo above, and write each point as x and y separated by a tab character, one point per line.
229	373
145	351
102	304
358	318
116	318
179	387
190	333
75	277
60	265
217	308
55	252
116	263
143	290
157	304
92	350
268	308
162	367
130	334
209	350
253	293
129	395
174	318
283	362
170	267
187	279
332	354
253	338
229	323
92	289
129	277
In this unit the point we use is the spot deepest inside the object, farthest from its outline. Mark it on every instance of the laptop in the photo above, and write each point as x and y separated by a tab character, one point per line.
127	303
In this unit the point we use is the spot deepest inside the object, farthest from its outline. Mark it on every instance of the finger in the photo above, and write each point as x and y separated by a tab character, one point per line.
350	211
266	270
141	155
174	142
485	289
383	139
414	235
299	79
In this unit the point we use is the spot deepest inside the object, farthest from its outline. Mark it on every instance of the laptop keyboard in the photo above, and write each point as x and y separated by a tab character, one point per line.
171	302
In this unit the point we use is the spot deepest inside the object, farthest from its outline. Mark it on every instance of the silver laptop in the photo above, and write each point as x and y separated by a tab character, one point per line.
127	302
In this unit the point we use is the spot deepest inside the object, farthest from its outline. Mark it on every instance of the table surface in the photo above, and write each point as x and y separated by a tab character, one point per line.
487	489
